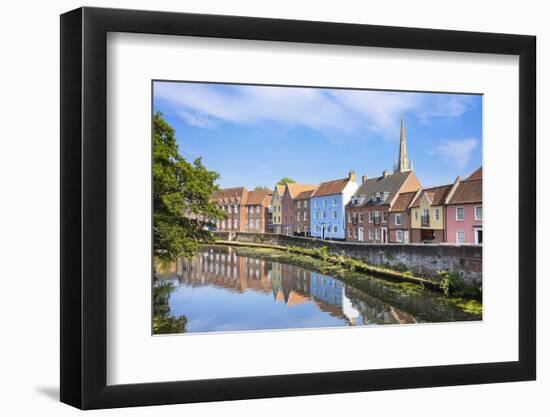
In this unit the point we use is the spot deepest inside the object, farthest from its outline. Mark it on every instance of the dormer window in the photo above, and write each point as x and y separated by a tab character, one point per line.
377	197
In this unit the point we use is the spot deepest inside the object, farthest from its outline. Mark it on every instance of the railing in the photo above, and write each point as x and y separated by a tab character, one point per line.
425	220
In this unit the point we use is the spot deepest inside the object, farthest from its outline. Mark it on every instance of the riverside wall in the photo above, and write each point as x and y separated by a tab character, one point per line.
422	259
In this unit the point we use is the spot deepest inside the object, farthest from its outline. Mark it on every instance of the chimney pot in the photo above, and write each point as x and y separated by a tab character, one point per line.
351	176
385	173
364	178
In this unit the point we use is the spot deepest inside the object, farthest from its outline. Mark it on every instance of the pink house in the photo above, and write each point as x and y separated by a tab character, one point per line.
464	211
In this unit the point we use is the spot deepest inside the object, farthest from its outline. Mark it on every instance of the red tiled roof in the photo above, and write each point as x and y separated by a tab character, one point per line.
236	194
476	175
403	200
331	187
468	192
304	194
257	196
435	194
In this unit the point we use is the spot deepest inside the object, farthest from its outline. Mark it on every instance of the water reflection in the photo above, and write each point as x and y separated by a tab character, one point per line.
220	290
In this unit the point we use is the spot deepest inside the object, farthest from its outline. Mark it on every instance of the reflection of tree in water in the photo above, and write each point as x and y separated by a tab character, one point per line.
163	321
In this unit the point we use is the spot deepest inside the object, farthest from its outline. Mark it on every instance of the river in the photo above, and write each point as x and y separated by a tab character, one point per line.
224	289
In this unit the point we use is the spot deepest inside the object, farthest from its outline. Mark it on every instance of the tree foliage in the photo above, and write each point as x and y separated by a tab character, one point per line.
183	211
286	180
163	321
262	188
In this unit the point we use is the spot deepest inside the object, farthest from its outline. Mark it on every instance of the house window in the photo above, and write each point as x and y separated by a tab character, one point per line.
370	216
349	232
334	214
377	233
229	224
334	202
479	213
384	216
370	234
436	214
324	214
349	217
315	203
397	219
360	217
335	229
305	215
236	209
257	209
316	215
229	209
236	224
324	203
460	213
460	238
317	229
305	203
223	224
257	223
298	204
298	216
399	235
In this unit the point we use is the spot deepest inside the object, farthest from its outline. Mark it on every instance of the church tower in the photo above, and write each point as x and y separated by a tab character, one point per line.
402	164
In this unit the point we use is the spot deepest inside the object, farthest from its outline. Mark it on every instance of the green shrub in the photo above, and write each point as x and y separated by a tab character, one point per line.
452	283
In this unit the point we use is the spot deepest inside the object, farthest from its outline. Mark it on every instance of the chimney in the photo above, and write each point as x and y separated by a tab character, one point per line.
351	176
385	173
364	178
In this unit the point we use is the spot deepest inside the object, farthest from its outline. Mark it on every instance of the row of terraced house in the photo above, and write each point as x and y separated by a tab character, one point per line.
390	208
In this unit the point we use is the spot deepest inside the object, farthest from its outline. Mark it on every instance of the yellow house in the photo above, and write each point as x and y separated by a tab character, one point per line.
277	208
427	215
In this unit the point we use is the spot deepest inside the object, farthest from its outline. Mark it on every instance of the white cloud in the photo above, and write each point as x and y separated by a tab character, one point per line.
456	151
446	106
206	105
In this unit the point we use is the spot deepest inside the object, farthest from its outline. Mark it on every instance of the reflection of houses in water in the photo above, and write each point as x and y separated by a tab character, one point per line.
223	268
288	284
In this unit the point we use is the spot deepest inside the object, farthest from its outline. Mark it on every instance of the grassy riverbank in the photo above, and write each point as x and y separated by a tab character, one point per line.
400	289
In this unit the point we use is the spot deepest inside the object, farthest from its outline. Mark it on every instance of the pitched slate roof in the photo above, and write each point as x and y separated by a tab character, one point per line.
476	175
295	189
390	184
468	192
331	187
257	196
403	200
231	195
435	194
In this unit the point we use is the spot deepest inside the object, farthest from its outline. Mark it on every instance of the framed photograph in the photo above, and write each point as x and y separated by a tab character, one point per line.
257	207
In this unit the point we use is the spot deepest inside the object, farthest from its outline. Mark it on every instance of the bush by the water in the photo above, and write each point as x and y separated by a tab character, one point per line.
452	283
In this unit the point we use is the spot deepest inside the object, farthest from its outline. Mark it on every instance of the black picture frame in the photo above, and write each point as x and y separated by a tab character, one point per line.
84	207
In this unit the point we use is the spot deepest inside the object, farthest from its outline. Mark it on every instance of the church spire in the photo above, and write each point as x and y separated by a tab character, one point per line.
403	162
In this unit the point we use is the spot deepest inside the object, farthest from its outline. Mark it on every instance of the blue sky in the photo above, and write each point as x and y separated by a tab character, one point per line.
254	135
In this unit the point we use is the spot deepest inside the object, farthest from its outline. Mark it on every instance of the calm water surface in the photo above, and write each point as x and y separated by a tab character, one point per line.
222	289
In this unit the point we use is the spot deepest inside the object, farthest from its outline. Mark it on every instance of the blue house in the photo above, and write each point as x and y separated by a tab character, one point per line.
328	205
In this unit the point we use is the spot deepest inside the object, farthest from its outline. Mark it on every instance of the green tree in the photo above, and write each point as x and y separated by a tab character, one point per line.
262	188
183	210
286	180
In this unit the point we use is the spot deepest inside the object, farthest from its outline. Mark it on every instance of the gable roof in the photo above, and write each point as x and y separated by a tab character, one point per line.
390	184
403	201
331	187
476	175
280	189
294	189
304	194
436	195
468	192
257	196
230	195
